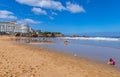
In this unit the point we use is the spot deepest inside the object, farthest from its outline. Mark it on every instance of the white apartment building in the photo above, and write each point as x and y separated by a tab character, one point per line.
12	27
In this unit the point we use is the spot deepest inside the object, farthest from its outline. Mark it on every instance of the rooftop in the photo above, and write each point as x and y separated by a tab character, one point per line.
12	22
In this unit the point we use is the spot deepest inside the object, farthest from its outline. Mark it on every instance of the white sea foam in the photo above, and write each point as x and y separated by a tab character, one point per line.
93	38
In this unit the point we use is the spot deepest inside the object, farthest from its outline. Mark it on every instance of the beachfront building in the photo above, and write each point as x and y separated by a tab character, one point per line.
13	27
8	27
25	28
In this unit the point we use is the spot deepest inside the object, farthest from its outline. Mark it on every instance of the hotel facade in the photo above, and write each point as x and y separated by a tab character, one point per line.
13	27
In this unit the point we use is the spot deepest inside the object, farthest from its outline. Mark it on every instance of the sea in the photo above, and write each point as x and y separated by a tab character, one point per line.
95	48
99	49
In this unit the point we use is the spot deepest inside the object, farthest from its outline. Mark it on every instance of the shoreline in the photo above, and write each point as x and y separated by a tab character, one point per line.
22	60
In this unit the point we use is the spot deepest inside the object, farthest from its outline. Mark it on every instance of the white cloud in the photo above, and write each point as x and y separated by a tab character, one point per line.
53	13
28	21
50	4
51	17
4	14
39	11
74	8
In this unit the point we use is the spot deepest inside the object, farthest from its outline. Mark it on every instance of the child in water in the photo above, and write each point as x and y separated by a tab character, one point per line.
111	62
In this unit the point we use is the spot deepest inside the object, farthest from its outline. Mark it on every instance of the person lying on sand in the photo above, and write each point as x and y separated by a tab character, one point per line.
111	62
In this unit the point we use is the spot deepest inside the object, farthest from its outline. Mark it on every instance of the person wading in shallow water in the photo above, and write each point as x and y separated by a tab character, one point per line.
111	62
66	42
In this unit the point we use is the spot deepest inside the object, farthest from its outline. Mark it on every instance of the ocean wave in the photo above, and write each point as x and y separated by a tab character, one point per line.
93	38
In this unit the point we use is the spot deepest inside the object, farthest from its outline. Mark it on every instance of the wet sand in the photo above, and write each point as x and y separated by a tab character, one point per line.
20	60
40	43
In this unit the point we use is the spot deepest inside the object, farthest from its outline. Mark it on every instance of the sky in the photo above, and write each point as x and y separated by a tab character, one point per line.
65	16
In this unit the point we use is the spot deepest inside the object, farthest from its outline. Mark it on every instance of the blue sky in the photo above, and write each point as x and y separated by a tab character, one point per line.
66	16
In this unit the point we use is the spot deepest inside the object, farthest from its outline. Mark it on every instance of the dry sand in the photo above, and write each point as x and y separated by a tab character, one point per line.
18	60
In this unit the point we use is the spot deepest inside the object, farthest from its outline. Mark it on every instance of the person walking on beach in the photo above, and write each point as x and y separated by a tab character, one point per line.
111	62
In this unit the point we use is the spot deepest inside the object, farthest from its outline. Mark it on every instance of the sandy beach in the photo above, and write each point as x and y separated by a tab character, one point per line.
19	60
